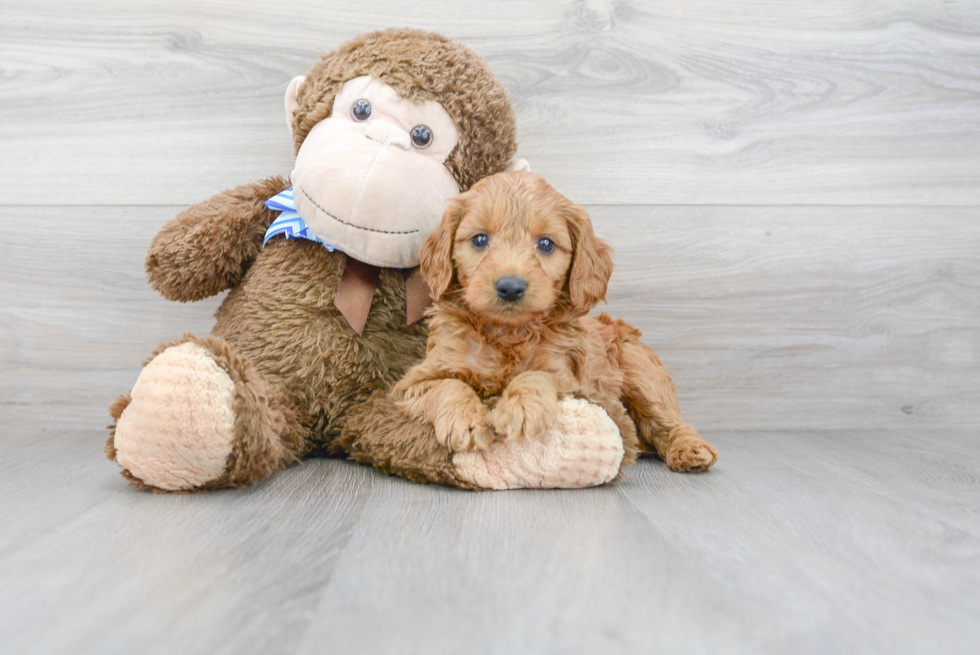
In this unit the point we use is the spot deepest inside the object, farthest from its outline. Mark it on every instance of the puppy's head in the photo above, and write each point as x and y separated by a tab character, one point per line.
516	249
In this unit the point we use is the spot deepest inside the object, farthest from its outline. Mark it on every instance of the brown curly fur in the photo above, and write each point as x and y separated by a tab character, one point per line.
208	247
297	366
540	347
380	434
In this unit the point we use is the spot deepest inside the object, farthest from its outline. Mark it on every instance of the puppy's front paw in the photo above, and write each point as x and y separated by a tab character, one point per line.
691	455
528	413
463	427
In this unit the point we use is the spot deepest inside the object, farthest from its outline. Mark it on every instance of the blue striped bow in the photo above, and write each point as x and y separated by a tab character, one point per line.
289	221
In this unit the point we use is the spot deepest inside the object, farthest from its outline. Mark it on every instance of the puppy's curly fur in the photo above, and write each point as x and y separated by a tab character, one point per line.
514	268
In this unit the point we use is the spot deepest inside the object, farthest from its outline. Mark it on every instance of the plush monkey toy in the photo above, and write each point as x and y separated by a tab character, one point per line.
323	314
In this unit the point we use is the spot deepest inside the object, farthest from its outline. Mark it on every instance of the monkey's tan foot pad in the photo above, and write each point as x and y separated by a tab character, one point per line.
583	449
178	429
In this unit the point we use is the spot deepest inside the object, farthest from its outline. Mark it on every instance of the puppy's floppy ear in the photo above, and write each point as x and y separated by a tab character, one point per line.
592	263
436	256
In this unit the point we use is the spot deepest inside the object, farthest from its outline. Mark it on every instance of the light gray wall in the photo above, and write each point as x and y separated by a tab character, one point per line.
792	188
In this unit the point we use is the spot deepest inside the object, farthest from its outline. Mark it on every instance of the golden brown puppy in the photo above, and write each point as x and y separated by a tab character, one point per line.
514	268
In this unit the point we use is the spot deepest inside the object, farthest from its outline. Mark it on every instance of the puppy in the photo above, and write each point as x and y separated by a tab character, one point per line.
514	268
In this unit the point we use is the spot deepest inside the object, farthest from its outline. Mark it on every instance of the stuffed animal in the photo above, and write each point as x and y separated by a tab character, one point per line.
325	297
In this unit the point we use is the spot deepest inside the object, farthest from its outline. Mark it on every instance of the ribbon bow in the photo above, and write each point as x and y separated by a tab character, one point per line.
289	221
359	281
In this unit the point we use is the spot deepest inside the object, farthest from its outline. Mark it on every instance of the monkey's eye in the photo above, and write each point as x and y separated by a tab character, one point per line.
546	245
480	241
421	136
361	111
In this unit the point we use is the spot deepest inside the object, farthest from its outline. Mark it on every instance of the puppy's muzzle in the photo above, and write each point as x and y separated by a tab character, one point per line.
510	289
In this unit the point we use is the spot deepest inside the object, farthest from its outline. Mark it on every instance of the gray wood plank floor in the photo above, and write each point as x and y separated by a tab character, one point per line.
792	190
839	542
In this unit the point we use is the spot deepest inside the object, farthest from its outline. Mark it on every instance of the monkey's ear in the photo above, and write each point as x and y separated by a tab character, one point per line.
292	99
592	264
436	256
519	165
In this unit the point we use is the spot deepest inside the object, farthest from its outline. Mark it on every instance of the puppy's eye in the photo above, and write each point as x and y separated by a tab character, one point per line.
421	136
361	111
480	241
546	245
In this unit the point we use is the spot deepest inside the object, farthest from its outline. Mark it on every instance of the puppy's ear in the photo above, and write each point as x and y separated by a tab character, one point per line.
592	263
436	256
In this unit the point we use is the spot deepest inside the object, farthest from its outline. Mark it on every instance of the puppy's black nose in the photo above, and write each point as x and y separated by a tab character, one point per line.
510	289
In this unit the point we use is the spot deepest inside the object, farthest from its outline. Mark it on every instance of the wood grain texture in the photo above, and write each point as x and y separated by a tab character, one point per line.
676	102
792	192
779	317
797	542
767	317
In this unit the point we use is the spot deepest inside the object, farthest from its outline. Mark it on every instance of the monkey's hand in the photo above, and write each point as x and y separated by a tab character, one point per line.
210	245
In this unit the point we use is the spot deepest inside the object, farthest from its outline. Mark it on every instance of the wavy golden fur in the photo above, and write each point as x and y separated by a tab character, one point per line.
533	343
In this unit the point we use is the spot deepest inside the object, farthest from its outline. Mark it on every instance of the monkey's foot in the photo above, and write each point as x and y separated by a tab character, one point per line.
178	429
198	418
582	449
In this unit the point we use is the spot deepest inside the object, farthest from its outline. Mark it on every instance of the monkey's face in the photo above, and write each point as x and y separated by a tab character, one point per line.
371	179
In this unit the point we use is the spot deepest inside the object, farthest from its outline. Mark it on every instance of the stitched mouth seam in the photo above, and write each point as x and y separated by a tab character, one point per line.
366	229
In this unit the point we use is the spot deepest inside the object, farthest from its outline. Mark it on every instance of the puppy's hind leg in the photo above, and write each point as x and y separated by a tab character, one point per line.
651	398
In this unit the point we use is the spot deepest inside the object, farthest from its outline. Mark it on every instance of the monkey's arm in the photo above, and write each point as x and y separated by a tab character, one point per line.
210	245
